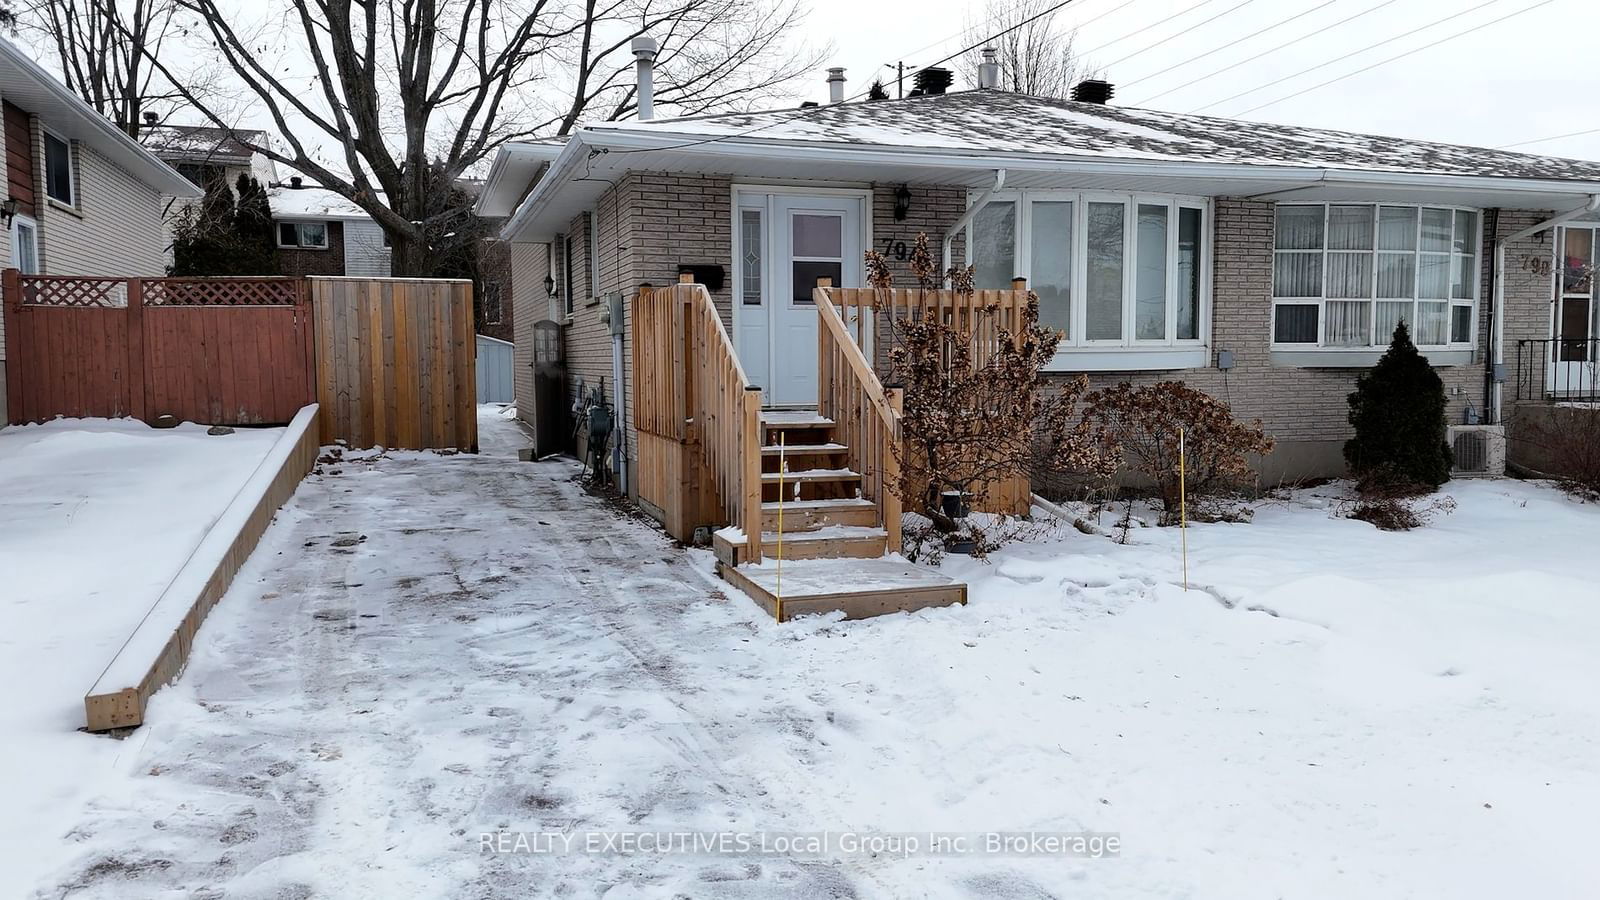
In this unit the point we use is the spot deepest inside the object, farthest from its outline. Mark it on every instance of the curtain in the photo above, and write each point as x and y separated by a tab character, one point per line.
1349	228
1150	276
1347	323
1433	320
1390	313
1397	274
1189	238
994	245
1297	275
1397	228
1299	228
1051	268
1106	241
1350	275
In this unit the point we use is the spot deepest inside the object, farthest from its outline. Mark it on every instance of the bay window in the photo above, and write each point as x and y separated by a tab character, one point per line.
1345	274
1111	271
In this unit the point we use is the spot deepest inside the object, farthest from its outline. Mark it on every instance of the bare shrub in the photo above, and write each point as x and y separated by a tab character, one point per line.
1567	437
1398	510
1144	422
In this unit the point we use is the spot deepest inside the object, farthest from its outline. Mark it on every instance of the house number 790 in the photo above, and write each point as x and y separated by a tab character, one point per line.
896	249
1536	263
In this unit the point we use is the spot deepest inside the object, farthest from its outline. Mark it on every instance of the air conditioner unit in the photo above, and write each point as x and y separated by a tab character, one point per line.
1480	450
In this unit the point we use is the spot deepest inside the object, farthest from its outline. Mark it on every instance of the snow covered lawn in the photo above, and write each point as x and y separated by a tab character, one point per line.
96	516
425	649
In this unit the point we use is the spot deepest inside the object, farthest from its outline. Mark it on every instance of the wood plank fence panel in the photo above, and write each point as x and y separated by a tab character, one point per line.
395	364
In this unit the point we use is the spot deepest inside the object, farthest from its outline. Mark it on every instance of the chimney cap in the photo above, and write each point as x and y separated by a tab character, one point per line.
296	182
836	73
1093	90
150	118
932	80
645	47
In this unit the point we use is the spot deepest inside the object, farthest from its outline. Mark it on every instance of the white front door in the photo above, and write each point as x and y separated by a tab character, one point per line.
785	242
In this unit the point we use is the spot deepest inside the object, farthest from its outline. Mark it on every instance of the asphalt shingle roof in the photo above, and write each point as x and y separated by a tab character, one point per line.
1004	122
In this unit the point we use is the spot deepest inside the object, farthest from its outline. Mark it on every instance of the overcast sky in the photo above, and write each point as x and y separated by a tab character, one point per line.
1534	75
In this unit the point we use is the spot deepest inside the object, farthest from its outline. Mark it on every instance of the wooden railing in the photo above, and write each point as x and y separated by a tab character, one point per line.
866	415
691	390
855	336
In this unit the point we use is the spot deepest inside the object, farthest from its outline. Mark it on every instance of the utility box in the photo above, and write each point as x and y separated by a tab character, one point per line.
616	313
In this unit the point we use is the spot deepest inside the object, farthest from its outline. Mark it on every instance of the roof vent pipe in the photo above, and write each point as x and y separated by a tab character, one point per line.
989	70
836	84
644	63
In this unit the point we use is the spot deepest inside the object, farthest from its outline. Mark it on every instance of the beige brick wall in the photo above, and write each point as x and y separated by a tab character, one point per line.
650	223
529	265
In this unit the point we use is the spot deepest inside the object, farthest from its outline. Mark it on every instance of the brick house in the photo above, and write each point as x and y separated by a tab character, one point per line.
1265	264
320	232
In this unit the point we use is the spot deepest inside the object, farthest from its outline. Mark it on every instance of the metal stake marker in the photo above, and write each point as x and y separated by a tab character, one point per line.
783	467
1183	511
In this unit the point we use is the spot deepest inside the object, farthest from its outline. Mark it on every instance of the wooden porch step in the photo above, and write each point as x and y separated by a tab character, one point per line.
810	476
858	587
803	449
805	515
828	542
794	418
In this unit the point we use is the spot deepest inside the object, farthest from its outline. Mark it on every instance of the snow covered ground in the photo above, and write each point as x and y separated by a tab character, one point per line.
96	516
425	649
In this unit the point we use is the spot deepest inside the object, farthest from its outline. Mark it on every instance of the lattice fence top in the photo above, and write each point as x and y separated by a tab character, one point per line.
221	292
64	290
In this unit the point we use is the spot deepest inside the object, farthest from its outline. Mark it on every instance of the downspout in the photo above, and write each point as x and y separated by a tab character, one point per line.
1497	307
969	215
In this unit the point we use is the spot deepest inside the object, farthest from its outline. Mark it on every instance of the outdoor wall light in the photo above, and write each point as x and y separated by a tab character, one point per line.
8	210
549	286
902	203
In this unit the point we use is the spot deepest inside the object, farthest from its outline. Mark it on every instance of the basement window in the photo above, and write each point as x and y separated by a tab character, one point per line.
1344	275
1113	272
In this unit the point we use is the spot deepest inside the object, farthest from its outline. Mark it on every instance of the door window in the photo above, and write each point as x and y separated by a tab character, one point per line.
818	241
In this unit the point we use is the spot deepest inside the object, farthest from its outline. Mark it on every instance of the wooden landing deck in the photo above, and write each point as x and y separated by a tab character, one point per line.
860	588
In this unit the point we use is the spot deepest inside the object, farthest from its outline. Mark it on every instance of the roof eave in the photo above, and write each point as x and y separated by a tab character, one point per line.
501	189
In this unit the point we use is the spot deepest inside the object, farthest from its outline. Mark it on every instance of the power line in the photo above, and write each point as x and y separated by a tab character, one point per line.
1400	56
804	111
1267	52
1139	31
1178	34
1345	57
1277	24
1554	137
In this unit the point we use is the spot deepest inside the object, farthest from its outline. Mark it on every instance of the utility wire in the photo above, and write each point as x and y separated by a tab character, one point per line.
1178	34
1399	56
1268	52
1138	31
1554	137
1277	24
1346	56
803	112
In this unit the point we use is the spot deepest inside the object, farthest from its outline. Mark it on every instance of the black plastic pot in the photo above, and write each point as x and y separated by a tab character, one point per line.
954	504
964	546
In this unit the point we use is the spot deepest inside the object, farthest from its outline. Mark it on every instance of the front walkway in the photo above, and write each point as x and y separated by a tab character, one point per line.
427	648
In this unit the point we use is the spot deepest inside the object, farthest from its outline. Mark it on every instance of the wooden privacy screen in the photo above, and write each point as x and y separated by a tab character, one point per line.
222	351
395	362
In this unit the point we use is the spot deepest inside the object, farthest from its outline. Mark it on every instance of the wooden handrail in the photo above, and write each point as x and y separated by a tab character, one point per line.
866	415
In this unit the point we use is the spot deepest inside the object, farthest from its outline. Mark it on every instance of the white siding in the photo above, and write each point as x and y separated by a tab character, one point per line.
116	228
364	253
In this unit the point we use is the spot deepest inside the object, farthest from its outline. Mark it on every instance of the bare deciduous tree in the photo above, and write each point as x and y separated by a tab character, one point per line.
1035	52
413	94
102	48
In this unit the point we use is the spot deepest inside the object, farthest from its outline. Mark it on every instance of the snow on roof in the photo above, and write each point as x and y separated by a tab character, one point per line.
1005	122
311	202
200	142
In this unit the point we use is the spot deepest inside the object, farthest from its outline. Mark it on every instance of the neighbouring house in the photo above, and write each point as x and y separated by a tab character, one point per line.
82	197
202	153
321	232
1266	264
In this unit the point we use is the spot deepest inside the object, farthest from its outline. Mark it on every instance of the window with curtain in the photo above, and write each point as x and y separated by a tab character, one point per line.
1345	275
1109	270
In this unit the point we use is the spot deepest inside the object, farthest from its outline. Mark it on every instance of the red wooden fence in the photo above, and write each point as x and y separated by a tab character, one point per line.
224	351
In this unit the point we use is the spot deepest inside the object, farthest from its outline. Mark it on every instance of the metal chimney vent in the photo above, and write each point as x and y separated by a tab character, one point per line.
1093	91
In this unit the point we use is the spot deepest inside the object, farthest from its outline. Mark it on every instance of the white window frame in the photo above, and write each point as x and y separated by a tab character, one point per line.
72	174
1076	341
19	223
299	236
1379	342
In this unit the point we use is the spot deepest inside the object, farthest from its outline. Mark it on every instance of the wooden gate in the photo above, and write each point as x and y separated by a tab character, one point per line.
223	351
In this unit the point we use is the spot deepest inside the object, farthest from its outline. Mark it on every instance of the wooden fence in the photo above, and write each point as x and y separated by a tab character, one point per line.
224	351
396	362
697	415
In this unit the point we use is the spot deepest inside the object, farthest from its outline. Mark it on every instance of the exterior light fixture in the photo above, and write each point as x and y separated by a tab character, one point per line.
902	203
549	285
8	210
